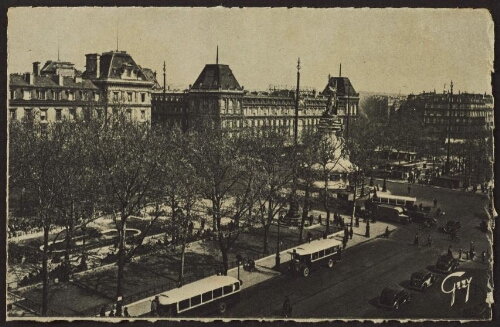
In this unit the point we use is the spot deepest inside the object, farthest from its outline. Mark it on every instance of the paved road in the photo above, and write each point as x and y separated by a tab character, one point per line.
351	289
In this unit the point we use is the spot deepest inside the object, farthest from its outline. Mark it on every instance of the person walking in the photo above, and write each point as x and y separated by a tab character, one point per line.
319	220
125	312
287	308
344	242
351	232
386	234
154	305
367	233
415	239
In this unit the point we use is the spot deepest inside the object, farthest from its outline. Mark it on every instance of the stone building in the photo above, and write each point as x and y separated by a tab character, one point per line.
51	92
57	90
465	112
217	95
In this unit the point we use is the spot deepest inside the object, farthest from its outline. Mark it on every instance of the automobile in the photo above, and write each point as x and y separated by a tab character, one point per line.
451	227
421	280
446	264
422	217
394	296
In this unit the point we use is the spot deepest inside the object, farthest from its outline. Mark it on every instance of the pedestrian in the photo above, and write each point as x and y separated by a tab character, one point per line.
287	307
386	234
409	189
111	313
125	312
483	256
344	242
435	203
415	239
472	255
118	309
351	232
367	234
311	218
460	254
429	241
319	219
103	312
154	305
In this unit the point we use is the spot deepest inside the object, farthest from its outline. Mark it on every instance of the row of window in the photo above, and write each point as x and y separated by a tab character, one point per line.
54	95
324	253
99	113
129	96
208	296
435	120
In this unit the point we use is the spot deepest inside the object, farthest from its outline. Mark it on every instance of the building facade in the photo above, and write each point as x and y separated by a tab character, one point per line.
57	90
461	113
217	95
51	92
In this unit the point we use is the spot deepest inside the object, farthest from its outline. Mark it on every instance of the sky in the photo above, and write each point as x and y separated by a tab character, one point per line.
381	50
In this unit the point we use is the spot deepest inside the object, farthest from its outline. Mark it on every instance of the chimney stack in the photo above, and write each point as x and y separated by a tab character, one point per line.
93	65
29	78
36	68
60	80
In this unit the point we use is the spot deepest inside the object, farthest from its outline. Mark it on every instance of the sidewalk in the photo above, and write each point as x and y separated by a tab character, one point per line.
265	266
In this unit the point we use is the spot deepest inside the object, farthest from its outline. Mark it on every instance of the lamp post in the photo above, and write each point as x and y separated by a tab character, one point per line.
238	262
278	260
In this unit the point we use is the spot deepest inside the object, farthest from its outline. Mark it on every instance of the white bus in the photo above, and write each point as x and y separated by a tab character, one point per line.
310	256
214	293
396	200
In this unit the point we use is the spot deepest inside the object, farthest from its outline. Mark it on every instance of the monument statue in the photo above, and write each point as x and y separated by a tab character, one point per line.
331	105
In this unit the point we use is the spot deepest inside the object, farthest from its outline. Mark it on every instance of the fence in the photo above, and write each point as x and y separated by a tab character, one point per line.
33	306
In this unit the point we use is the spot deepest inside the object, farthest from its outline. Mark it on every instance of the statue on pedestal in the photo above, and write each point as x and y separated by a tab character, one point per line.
331	105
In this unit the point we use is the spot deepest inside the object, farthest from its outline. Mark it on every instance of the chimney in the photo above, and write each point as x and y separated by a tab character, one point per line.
60	80
36	68
93	65
30	78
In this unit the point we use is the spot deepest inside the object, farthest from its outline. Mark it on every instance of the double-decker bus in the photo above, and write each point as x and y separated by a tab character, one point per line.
211	294
310	256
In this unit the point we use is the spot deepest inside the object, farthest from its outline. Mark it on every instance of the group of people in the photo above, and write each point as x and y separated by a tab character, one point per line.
115	312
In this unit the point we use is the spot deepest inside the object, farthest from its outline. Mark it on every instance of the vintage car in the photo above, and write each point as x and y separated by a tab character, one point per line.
421	280
421	217
446	264
394	296
451	227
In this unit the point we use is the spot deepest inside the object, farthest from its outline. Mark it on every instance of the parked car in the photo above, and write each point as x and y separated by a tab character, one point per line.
451	227
394	296
446	264
421	280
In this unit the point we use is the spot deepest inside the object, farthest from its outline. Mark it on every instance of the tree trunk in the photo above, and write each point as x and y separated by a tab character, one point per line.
45	272
180	280
121	258
266	233
305	212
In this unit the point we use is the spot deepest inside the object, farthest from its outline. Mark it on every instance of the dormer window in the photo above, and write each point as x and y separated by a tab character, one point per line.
12	94
40	95
71	96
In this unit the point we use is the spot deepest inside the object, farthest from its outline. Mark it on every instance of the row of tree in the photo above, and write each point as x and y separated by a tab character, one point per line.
67	171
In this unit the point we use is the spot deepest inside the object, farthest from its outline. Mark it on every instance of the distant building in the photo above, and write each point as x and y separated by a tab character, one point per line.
58	90
123	82
464	113
51	92
217	95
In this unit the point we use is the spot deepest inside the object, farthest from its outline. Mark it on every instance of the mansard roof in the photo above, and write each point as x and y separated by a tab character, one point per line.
342	85
215	76
52	82
112	64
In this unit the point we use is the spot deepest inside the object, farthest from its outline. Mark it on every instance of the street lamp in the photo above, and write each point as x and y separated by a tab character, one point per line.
278	261
239	259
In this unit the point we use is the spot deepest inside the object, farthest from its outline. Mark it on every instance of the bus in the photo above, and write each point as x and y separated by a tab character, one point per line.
396	200
310	256
211	294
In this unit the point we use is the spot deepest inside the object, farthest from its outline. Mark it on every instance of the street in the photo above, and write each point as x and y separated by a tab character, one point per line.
351	288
